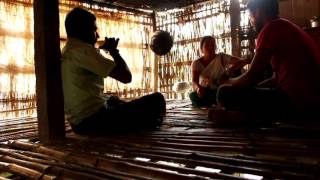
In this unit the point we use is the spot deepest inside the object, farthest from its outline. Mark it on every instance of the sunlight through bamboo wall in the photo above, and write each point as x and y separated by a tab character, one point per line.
17	79
187	26
247	35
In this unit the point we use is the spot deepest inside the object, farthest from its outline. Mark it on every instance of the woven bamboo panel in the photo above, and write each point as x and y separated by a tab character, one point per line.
187	26
17	79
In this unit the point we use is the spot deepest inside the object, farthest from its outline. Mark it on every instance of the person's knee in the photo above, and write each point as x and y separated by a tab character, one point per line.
224	93
193	95
195	100
158	106
159	97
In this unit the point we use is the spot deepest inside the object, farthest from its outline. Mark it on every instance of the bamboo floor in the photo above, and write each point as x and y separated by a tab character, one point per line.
187	146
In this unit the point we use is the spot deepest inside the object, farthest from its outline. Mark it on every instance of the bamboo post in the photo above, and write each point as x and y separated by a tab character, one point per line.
47	67
235	25
156	57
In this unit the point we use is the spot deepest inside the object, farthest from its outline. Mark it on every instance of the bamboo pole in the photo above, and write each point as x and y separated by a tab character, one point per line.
47	67
231	160
87	161
32	165
184	170
267	173
113	6
235	26
292	173
23	171
57	166
156	57
133	149
191	20
25	3
260	152
102	164
110	15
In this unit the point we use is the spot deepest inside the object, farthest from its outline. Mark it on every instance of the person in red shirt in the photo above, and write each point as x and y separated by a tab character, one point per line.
295	61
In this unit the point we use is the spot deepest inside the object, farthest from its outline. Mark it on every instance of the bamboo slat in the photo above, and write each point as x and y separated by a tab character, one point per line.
20	128
175	151
55	165
23	171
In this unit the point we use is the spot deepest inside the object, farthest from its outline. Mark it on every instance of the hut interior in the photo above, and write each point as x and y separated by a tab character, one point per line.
187	145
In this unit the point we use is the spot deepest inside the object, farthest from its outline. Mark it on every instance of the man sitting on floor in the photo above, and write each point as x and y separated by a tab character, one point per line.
295	60
83	69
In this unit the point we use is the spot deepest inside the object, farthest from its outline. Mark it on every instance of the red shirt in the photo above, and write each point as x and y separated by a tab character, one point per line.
295	61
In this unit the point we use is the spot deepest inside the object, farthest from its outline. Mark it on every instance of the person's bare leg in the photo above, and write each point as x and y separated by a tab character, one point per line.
241	106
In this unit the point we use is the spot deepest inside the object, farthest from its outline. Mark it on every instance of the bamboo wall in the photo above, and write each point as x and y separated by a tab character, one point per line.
17	79
187	26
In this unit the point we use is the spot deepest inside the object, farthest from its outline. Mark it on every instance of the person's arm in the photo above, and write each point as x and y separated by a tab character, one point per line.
232	65
195	79
195	83
121	71
255	73
235	65
268	83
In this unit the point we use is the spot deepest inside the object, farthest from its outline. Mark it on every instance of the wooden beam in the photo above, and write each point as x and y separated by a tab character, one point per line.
47	67
235	25
118	7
